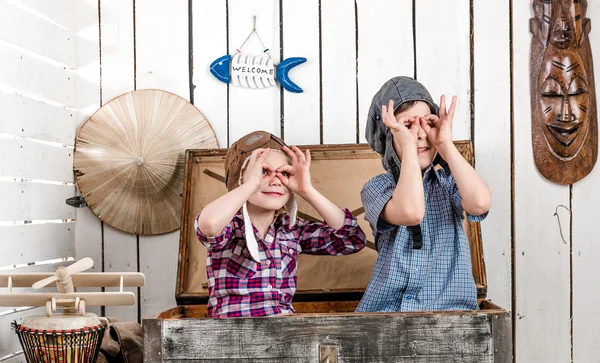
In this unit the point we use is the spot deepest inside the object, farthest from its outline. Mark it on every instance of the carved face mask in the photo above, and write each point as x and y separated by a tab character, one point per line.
564	124
563	102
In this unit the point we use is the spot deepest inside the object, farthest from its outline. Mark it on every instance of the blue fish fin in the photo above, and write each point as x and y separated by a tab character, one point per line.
220	68
283	77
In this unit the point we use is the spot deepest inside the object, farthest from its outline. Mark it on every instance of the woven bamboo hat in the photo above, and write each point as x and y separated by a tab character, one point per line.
129	159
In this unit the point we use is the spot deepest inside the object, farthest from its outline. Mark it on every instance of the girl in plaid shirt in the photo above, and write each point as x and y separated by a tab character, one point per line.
252	254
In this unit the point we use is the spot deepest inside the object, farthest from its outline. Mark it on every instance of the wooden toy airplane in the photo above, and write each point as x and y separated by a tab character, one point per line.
67	278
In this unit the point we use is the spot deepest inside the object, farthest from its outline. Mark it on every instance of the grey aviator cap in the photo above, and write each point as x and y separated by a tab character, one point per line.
399	89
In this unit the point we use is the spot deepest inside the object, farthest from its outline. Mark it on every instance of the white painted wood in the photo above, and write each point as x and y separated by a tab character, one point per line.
19	358
209	29
121	255
116	20
27	159
443	48
382	55
36	242
59	12
542	258
24	73
492	141
254	109
586	249
30	201
338	54
35	34
9	341
301	111
88	233
162	59
34	119
162	62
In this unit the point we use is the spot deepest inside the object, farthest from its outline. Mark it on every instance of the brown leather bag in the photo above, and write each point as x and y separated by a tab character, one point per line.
123	342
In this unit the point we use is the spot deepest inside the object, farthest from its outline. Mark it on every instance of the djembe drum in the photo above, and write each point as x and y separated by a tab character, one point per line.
64	338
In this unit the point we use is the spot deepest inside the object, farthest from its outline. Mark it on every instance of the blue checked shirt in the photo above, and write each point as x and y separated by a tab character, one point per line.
436	277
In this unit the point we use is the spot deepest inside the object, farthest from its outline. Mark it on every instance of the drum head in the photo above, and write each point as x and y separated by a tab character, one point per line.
60	322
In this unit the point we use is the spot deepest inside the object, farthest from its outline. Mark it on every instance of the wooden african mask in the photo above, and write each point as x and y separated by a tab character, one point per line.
563	98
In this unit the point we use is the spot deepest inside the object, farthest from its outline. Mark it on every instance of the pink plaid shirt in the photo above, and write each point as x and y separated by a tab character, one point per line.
241	287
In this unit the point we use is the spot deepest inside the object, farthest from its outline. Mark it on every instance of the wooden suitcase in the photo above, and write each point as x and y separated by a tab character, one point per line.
325	327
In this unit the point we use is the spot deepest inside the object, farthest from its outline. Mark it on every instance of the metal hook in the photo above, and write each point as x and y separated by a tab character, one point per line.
558	217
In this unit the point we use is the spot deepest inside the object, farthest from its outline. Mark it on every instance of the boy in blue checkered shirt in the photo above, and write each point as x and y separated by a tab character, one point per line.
416	211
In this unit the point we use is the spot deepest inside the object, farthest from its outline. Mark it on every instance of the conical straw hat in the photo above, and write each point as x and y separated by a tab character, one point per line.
129	159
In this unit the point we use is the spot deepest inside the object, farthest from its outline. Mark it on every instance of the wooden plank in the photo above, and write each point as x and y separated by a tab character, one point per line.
425	337
37	35
379	57
19	358
24	201
162	57
30	118
88	234
360	359
153	350
121	255
443	64
36	242
116	21
26	74
338	69
502	338
254	109
162	62
25	159
585	248
542	258
301	111
57	11
492	136
209	35
9	341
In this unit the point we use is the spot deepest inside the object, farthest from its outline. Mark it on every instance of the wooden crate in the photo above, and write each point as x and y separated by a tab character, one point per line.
328	290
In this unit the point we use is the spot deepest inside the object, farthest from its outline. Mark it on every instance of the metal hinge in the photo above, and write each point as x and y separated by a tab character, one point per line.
328	354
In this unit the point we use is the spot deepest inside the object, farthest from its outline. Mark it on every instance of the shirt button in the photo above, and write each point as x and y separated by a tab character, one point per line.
269	287
267	262
269	238
408	297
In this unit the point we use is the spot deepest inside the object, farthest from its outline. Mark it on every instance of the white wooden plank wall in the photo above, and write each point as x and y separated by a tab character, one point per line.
88	232
37	128
351	47
209	24
169	72
385	49
492	139
442	54
338	72
542	271
585	246
301	111
118	77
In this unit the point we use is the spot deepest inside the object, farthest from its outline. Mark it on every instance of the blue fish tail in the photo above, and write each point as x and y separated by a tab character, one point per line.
283	77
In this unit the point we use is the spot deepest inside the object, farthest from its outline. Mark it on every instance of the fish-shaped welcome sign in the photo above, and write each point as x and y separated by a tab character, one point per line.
255	71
